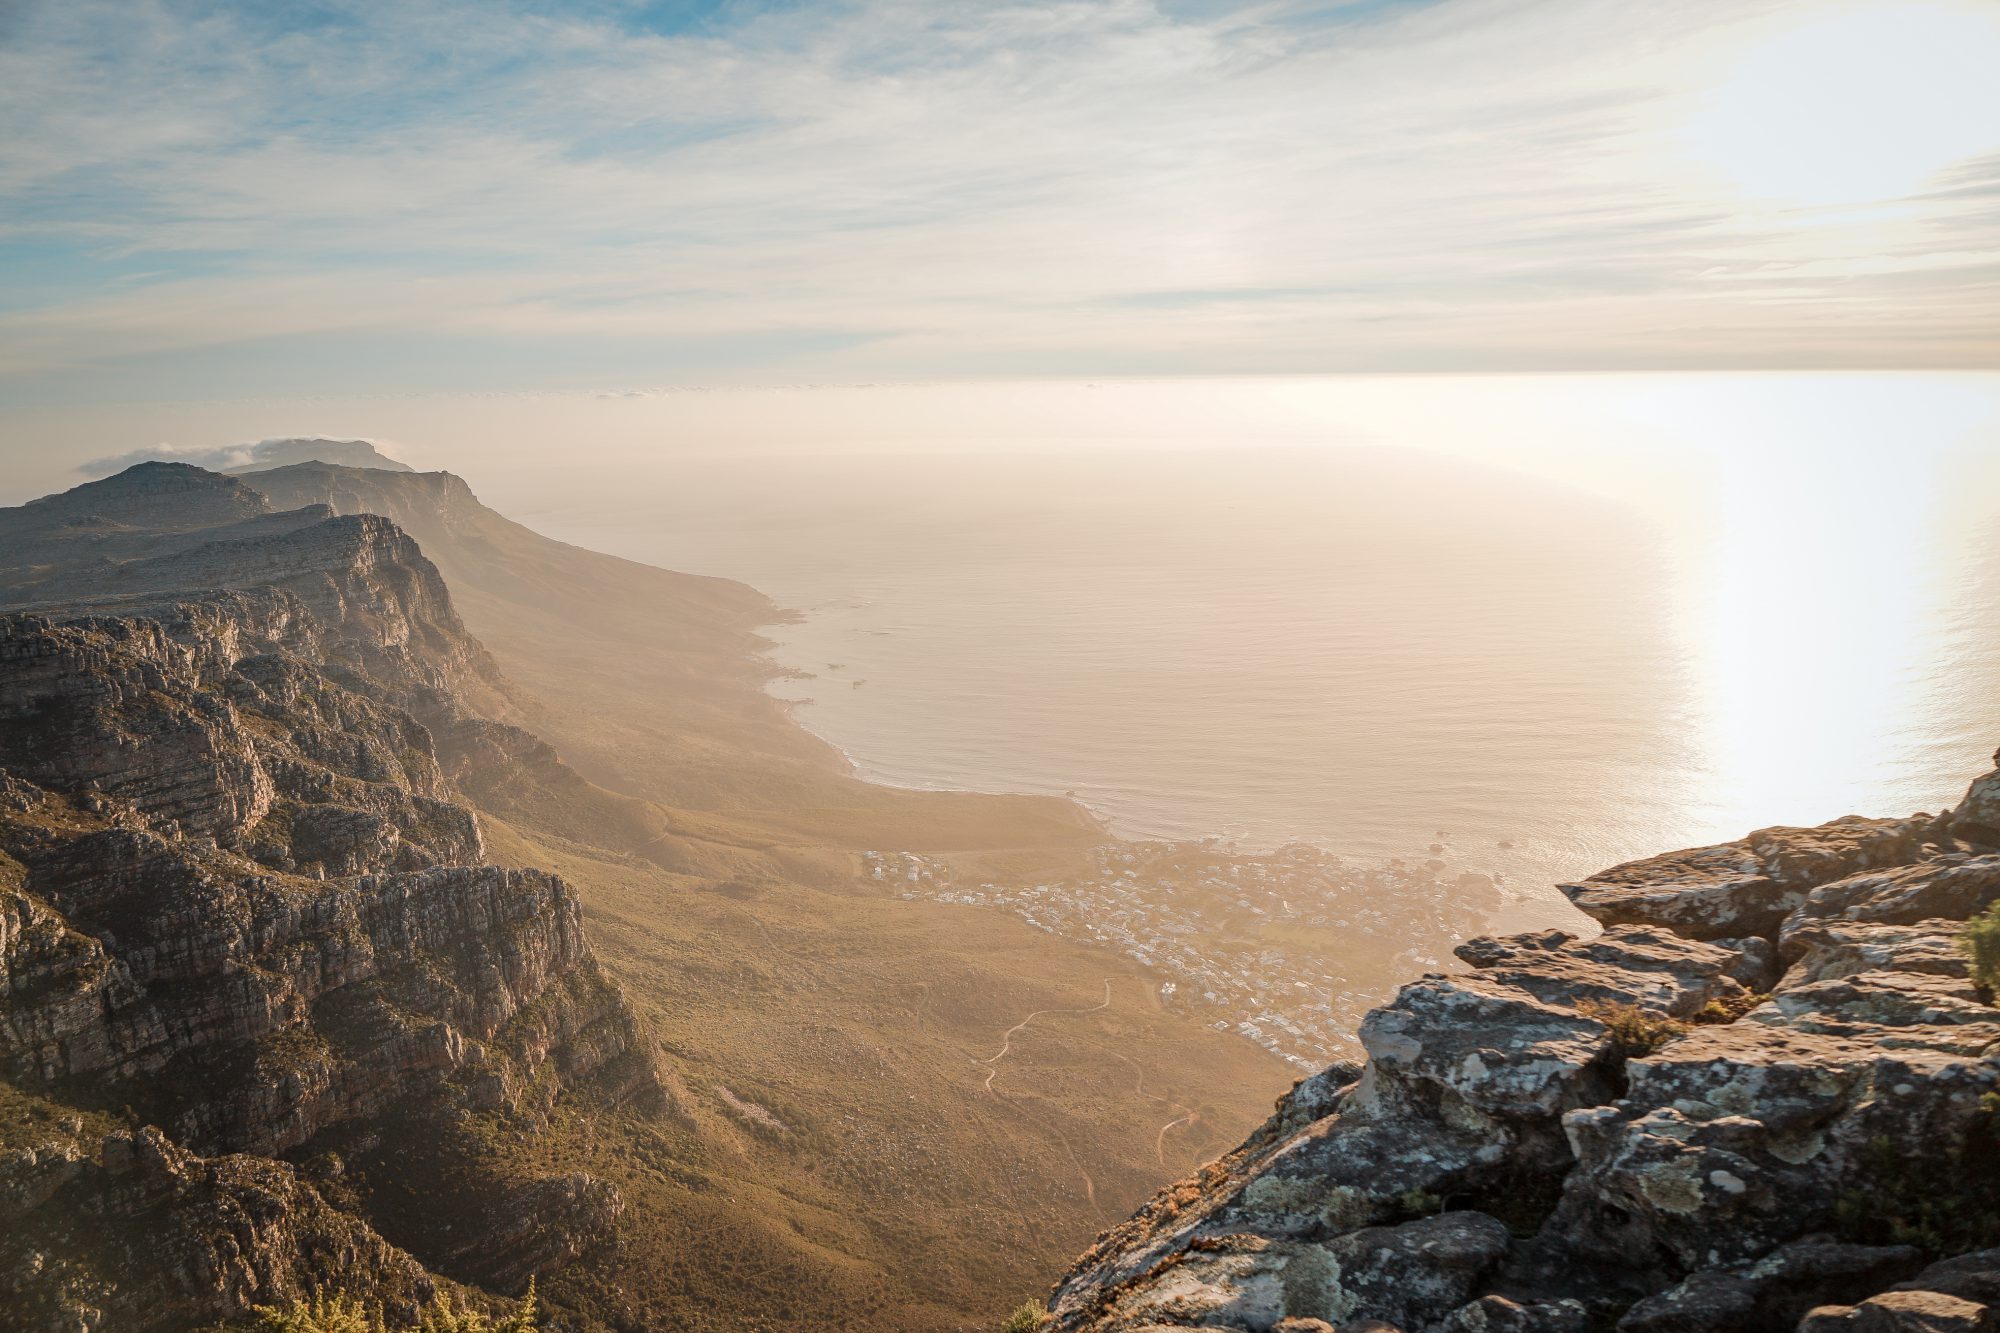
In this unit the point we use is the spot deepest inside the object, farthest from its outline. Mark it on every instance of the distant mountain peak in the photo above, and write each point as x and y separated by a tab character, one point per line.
302	449
194	496
254	457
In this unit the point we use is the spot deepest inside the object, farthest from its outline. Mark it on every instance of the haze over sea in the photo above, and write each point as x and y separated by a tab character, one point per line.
1551	621
1588	616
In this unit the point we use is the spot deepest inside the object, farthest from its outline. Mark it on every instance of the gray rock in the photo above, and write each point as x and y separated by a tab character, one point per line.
1973	1277
1773	1292
1946	889
1684	1176
1826	950
1977	818
1493	1046
1745	888
1641	965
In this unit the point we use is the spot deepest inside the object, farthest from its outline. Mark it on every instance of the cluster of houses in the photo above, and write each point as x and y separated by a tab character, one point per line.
1288	948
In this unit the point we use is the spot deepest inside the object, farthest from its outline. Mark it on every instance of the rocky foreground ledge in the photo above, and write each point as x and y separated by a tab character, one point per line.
1762	1099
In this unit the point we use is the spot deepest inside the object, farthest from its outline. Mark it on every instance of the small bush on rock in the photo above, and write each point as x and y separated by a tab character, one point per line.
1730	1009
1981	945
1419	1203
1634	1032
1027	1317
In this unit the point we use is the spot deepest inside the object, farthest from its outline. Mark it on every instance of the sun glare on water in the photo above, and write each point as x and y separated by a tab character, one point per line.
1857	105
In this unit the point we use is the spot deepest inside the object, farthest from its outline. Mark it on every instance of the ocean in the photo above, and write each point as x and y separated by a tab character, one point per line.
1546	623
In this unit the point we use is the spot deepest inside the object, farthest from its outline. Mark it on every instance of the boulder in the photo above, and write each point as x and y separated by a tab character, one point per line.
1772	1292
1645	966
1977	818
1490	1044
1745	888
1824	950
1950	887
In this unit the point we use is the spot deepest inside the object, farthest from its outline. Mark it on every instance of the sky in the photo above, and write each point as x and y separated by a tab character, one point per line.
216	200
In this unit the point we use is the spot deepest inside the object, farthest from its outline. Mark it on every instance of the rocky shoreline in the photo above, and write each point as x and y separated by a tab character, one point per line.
1762	1098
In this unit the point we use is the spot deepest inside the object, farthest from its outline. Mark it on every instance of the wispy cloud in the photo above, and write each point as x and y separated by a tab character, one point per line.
896	187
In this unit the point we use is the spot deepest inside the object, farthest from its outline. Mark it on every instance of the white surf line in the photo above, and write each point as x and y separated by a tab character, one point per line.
1007	1042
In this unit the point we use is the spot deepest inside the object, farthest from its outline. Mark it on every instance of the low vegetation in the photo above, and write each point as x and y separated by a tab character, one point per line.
1730	1009
1635	1032
1981	945
345	1314
1419	1203
1027	1317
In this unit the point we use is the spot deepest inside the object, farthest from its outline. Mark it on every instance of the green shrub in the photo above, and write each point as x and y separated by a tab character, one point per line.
1026	1318
1634	1032
346	1314
1730	1009
322	1314
1981	945
1419	1203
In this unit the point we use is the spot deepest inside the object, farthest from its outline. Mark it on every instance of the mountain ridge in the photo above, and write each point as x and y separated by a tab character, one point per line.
320	726
244	903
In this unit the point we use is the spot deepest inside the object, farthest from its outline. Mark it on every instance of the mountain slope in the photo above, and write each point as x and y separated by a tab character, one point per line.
647	681
258	976
852	1136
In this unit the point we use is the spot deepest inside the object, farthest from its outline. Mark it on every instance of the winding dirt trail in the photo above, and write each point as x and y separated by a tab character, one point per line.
993	1069
1007	1042
1160	1139
1189	1114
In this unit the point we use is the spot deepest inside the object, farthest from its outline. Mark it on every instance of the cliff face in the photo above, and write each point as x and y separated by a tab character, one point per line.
1762	1098
253	973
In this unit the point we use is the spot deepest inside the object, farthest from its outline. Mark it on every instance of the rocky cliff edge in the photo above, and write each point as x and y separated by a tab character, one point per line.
267	1021
1763	1098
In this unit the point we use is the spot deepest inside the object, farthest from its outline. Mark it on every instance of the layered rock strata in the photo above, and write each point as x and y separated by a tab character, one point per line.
253	969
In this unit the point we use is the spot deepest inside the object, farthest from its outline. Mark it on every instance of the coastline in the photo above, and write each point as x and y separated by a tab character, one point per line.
1519	908
1286	945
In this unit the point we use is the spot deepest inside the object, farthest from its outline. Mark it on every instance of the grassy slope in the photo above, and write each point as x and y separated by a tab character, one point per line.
894	1185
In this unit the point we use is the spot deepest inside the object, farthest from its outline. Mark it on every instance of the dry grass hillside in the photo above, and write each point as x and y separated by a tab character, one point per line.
885	1114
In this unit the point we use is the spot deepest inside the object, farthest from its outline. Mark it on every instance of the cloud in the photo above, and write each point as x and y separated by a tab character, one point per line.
244	457
905	187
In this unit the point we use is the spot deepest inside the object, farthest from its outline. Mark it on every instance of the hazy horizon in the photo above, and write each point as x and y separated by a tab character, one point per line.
1742	563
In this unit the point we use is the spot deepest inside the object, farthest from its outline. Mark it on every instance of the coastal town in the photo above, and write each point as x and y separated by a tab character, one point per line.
1286	948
